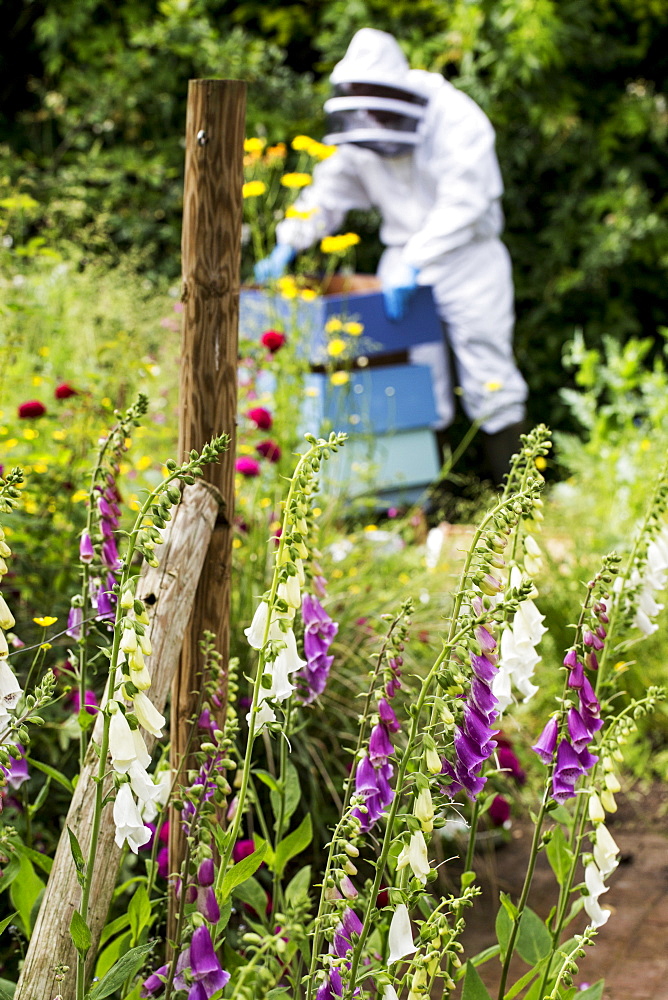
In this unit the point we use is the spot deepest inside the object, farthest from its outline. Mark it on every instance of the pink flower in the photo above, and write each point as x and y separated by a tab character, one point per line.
269	450
242	849
247	466
32	408
64	391
273	340
261	418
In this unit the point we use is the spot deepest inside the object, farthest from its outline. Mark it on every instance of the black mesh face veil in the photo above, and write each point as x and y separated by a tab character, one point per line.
381	118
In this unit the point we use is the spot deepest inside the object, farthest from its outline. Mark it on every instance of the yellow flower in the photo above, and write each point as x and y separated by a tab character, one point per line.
287	287
339	244
309	294
296	180
252	189
493	385
45	645
254	144
236	543
46	621
541	463
295	213
353	329
333	325
276	152
354	588
265	502
40	467
106	402
37	380
30	434
59	435
11	443
302	142
339	378
44	352
645	445
320	151
144	462
336	347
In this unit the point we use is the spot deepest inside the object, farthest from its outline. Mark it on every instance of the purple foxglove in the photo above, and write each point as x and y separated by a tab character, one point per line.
386	713
17	771
74	623
155	982
348	890
129	825
331	988
547	741
207	904
380	745
562	789
576	677
587	759
400	938
203	959
477	726
484	668
578	732
206	872
588	698
468	752
485	639
568	767
483	698
86	550
571	659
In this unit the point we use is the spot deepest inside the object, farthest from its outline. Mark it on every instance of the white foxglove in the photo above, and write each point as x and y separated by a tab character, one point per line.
6	617
415	854
147	714
255	631
122	747
10	689
605	851
596	887
400	936
129	825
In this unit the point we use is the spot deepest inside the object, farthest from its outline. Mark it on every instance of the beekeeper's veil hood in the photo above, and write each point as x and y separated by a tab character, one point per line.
377	103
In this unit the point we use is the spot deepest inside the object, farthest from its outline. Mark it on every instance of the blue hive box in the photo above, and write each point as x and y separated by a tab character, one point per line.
354	297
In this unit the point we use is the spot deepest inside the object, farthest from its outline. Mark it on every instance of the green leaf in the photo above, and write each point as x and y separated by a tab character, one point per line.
466	879
252	893
508	905
35	806
24	891
267	779
111	954
534	941
125	968
42	861
524	981
503	927
474	988
4	924
560	814
293	844
298	887
241	871
560	856
80	933
279	993
52	773
291	794
110	930
85	719
594	992
77	854
139	912
10	871
7	989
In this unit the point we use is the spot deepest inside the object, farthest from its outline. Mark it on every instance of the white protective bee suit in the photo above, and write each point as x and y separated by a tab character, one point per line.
441	219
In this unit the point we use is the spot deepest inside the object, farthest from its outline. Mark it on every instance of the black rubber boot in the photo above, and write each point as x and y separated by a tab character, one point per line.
500	448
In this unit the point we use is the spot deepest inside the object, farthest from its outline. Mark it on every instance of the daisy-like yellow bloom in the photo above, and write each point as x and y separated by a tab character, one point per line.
309	294
37	380
79	495
320	151
276	152
30	434
252	189
40	468
339	378
45	621
353	329
302	142
339	244
333	325
541	463
295	213
645	444
296	180
254	144
336	347
44	352
287	286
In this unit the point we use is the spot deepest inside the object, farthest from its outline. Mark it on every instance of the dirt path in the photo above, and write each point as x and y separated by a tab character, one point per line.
631	950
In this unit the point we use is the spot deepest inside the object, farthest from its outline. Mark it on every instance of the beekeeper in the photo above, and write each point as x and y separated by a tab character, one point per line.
422	152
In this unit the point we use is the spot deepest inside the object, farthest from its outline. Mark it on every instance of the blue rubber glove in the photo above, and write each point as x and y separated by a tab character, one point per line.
398	293
275	264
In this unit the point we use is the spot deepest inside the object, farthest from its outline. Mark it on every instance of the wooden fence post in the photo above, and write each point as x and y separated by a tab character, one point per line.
211	252
169	591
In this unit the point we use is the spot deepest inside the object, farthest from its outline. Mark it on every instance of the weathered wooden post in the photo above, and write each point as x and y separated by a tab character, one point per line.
211	251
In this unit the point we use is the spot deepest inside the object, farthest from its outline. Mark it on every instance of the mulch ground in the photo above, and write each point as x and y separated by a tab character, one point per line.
631	950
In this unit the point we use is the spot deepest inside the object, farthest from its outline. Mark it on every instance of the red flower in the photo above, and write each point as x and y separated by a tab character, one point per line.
273	340
33	408
64	391
269	450
247	466
261	418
